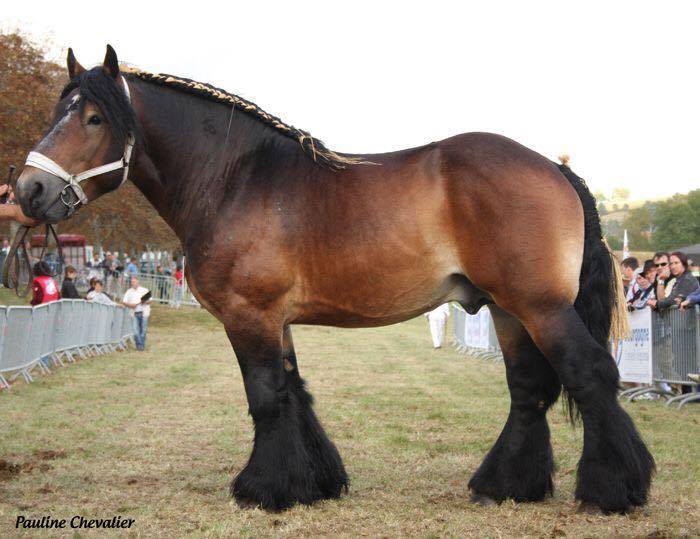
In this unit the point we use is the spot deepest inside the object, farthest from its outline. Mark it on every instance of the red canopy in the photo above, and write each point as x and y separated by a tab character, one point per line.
67	240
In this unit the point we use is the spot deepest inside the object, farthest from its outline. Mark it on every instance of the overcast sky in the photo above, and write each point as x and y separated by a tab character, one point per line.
614	84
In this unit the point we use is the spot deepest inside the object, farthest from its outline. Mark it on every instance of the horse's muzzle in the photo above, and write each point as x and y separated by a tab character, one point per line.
38	193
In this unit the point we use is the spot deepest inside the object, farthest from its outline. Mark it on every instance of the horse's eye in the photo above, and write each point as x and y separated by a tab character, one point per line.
94	120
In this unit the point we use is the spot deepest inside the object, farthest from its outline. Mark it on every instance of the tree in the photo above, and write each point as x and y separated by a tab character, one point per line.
29	86
29	89
640	227
612	230
599	196
677	221
621	192
602	210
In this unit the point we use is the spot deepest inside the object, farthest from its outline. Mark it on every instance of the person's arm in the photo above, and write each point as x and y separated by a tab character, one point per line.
693	298
666	302
660	289
12	212
37	295
684	286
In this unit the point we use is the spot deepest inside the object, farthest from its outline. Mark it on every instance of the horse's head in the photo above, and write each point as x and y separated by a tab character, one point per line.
82	156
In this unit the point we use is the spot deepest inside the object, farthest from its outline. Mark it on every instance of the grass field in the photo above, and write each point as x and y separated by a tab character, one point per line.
157	437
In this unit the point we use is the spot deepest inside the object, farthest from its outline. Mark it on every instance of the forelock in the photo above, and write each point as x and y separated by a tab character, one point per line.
110	98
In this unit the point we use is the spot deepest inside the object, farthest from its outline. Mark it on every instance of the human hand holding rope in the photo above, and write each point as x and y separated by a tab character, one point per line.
17	267
9	211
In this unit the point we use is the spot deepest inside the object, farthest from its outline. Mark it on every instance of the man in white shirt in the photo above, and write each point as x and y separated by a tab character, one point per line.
141	310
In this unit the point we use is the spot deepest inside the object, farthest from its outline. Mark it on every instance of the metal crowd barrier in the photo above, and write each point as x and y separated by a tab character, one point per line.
31	336
675	351
475	334
675	355
163	288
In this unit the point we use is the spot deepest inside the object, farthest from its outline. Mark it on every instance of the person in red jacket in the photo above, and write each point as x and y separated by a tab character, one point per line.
44	287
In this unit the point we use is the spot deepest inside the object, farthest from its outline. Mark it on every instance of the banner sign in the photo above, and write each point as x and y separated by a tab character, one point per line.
477	329
633	355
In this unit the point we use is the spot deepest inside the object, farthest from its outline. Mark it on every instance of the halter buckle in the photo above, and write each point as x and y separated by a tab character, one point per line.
70	205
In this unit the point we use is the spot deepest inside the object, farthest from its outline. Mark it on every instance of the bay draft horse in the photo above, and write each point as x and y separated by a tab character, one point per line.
278	230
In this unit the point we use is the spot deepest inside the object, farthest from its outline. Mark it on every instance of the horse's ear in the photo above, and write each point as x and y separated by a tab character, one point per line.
74	67
111	63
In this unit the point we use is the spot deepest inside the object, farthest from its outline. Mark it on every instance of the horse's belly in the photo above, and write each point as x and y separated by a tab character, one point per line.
376	296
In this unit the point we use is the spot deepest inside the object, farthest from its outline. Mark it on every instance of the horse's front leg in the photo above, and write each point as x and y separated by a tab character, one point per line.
292	460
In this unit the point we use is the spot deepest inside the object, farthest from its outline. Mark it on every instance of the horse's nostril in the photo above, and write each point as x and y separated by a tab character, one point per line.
35	195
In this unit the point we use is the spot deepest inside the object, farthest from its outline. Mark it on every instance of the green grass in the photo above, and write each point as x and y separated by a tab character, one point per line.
158	436
8	297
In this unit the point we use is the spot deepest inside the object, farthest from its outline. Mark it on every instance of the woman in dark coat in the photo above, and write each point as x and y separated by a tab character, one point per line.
68	289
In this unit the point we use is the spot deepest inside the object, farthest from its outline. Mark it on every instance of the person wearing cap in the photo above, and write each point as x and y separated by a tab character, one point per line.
44	287
644	281
44	290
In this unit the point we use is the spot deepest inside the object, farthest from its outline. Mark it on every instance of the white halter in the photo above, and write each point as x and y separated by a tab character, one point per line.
40	161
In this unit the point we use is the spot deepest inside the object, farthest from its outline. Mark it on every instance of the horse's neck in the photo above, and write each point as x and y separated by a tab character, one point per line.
195	156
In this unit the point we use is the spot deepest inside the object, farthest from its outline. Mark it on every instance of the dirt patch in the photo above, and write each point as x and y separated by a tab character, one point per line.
49	454
8	470
141	480
46	489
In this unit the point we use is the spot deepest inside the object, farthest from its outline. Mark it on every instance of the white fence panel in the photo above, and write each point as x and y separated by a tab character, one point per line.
14	354
28	334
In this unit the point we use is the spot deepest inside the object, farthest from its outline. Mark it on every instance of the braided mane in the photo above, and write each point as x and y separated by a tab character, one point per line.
311	146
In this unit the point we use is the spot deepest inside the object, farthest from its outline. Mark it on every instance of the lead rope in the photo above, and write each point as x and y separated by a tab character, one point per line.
18	267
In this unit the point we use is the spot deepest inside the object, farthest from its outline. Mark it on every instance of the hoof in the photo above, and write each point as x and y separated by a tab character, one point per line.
482	500
244	503
586	508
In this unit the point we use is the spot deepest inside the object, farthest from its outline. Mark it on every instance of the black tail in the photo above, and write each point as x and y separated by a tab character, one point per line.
598	298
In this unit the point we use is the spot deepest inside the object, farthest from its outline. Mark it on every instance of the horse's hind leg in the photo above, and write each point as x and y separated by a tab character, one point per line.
615	469
292	459
520	464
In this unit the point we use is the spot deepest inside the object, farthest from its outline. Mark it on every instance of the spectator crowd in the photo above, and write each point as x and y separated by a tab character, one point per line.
664	281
